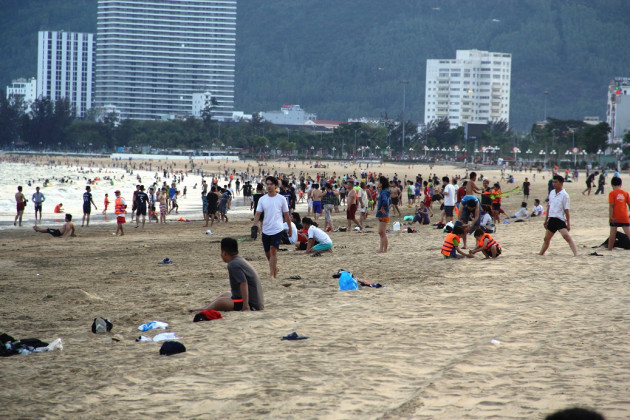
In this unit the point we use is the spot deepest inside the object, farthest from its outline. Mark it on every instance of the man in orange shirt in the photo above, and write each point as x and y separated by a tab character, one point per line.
619	203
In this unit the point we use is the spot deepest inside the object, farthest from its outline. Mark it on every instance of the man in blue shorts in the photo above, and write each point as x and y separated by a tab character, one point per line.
276	211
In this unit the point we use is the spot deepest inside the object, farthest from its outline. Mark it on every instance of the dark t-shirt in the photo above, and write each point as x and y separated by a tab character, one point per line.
247	190
526	187
241	271
87	199
141	199
256	198
212	199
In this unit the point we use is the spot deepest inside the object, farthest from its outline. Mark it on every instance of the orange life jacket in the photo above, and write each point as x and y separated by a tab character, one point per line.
491	241
448	247
119	206
497	196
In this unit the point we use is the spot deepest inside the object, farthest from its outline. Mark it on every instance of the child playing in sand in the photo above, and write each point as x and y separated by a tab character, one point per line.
450	247
486	244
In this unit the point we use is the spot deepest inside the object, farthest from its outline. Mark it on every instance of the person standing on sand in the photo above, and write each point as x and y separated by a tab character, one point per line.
353	205
88	202
471	187
68	227
619	203
21	204
558	218
38	199
395	195
142	200
120	208
276	210
382	213
105	203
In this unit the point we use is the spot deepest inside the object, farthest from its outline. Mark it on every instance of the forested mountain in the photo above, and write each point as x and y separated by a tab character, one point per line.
343	59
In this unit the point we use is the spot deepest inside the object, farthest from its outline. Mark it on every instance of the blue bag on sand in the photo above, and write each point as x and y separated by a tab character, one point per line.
346	282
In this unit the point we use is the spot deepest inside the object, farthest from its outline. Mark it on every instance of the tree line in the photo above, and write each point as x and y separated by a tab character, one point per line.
50	125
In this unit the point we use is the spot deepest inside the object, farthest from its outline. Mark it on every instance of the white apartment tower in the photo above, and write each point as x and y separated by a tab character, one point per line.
65	68
152	55
618	109
474	87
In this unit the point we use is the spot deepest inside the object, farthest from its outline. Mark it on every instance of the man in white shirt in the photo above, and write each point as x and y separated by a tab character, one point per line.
558	219
38	199
276	210
450	197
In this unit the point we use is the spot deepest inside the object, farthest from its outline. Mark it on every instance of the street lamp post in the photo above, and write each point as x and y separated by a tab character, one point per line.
599	153
333	150
542	154
553	155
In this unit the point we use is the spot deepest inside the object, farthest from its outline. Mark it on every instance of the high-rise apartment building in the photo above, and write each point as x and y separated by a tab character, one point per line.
618	109
474	87
65	68
153	55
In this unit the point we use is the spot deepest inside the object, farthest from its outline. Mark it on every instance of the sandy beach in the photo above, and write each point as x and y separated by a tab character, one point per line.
419	348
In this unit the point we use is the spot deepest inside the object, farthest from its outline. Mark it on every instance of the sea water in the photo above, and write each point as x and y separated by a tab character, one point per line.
70	193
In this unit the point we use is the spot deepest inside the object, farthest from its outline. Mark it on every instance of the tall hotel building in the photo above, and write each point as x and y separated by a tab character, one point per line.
65	68
474	87
153	55
618	110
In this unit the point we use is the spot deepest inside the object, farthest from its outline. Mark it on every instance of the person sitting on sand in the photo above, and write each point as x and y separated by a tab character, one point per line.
486	244
422	214
316	234
538	209
450	247
522	213
68	227
59	208
246	292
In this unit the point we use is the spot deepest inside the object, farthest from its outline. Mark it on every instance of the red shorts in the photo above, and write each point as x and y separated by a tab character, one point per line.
351	212
20	206
120	220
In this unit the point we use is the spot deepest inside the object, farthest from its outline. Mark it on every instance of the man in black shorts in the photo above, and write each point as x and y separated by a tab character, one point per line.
68	227
88	202
141	205
558	217
246	290
247	193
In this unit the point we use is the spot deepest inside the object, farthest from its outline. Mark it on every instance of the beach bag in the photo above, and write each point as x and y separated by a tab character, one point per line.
101	325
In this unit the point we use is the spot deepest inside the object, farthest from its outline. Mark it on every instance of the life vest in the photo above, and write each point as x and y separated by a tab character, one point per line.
497	196
448	247
491	241
120	207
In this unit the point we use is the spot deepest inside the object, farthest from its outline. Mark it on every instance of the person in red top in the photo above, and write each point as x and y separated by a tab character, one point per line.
105	203
120	208
619	203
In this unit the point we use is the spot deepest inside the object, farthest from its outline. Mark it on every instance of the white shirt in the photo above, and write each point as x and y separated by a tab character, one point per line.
558	203
293	237
486	220
538	210
450	195
521	213
274	207
363	196
319	235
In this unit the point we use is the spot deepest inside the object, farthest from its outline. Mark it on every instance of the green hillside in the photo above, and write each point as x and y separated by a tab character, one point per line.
344	59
